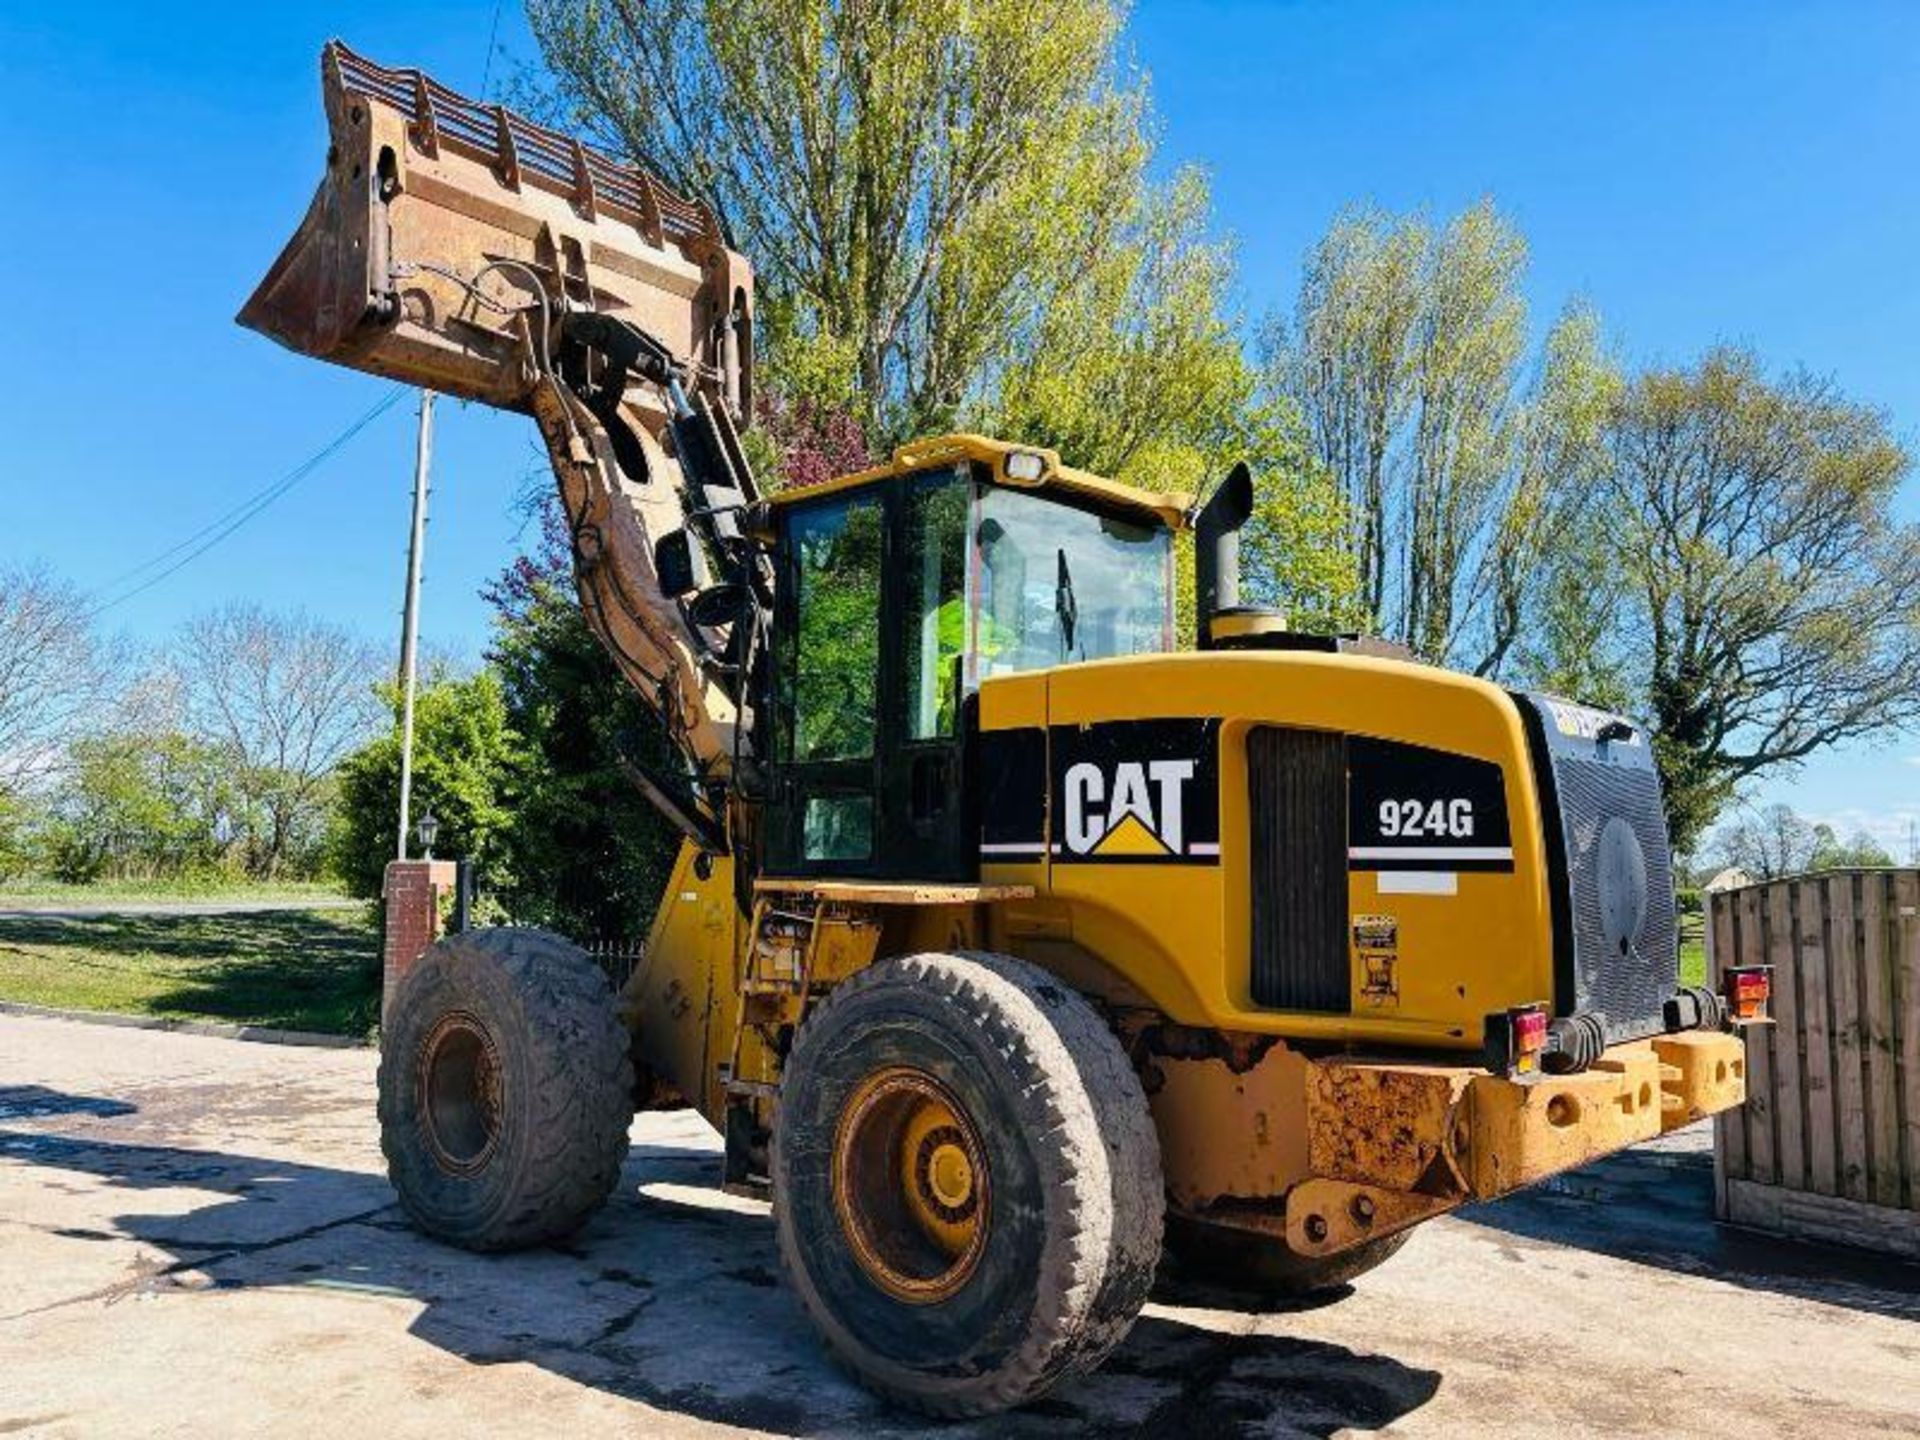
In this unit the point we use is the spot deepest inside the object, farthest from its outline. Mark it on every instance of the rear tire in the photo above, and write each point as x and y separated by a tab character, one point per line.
1260	1266
967	1183
505	1089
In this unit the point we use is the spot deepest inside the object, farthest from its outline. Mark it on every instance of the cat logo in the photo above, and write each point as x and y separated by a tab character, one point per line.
1140	813
1137	792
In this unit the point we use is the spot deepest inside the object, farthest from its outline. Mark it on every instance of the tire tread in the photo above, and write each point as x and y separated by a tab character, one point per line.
580	1103
1072	1075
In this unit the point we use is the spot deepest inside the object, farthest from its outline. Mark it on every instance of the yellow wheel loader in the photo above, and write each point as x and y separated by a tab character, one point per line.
1007	943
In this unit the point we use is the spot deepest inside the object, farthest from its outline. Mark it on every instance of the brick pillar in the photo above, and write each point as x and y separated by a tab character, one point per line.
413	891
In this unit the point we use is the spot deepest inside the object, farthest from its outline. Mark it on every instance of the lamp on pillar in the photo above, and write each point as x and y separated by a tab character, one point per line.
427	829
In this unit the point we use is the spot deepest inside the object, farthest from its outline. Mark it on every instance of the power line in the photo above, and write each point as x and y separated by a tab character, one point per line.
211	534
486	73
246	504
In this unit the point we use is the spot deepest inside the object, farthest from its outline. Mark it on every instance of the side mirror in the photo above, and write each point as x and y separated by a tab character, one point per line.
673	563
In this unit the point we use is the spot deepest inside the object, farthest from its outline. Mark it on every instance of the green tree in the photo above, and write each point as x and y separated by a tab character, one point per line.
17	823
1570	646
1464	471
1770	599
944	202
465	761
1293	555
1140	374
135	804
953	220
865	155
1862	852
586	853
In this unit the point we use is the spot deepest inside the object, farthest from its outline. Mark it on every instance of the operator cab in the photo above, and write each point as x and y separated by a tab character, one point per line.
901	590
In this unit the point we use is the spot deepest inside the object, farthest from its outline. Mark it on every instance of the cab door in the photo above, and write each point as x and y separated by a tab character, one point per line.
827	681
928	814
868	775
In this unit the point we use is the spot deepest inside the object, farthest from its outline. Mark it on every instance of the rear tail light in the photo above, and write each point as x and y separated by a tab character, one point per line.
1515	1039
1747	989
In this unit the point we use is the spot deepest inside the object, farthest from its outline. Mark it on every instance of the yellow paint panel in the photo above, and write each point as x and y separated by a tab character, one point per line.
686	996
1182	933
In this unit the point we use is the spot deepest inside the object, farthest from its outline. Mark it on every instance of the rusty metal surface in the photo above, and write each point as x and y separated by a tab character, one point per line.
1324	1217
1394	1125
1229	1132
419	176
442	248
1457	1133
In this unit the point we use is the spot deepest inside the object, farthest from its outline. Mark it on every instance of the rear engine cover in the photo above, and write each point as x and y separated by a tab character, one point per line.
1615	934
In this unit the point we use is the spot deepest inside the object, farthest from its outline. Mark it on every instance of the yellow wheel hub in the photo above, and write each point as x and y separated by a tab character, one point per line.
910	1185
949	1176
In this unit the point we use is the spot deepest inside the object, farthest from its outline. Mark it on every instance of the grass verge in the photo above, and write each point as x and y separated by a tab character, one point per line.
1693	950
289	970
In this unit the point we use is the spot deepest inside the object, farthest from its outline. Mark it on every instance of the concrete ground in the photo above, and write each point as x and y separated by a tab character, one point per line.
196	1239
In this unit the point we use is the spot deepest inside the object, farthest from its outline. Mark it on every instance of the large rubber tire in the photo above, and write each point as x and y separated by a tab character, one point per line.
1257	1267
505	1089
1075	1213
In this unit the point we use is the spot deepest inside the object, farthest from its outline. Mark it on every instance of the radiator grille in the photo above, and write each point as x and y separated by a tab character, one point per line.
1629	987
1297	781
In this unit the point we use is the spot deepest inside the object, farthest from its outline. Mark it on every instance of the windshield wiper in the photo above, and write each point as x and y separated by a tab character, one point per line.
1064	605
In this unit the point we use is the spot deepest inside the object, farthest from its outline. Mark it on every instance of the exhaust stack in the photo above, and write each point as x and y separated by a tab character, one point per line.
1223	622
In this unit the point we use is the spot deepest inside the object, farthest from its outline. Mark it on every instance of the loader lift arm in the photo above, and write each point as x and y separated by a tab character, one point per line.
461	247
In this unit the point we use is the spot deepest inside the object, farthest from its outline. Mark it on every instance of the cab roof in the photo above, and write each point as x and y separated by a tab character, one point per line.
1166	507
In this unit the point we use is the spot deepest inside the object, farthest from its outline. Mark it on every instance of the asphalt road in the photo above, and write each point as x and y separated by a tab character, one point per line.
196	1239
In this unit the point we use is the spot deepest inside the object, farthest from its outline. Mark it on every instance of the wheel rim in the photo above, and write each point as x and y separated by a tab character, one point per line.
459	1089
910	1185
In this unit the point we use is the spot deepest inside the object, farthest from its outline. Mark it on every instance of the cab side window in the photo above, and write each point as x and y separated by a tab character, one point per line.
837	665
833	686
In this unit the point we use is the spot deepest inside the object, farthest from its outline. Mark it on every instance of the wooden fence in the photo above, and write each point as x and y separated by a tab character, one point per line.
1827	1146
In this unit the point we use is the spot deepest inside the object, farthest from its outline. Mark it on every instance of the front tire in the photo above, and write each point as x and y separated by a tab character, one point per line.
505	1089
967	1183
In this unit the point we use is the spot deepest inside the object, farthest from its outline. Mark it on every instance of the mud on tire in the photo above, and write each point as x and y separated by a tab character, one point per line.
505	1089
1069	1162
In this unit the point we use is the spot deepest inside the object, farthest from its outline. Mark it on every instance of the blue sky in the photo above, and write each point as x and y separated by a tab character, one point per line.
1699	172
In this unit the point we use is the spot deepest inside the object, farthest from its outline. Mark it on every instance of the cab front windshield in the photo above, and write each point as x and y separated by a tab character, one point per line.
1056	584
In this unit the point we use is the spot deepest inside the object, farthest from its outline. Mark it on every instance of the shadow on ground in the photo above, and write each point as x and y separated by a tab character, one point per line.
37	1102
672	1297
291	969
1654	1205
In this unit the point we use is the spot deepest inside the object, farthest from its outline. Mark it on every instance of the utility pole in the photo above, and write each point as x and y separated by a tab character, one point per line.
410	621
